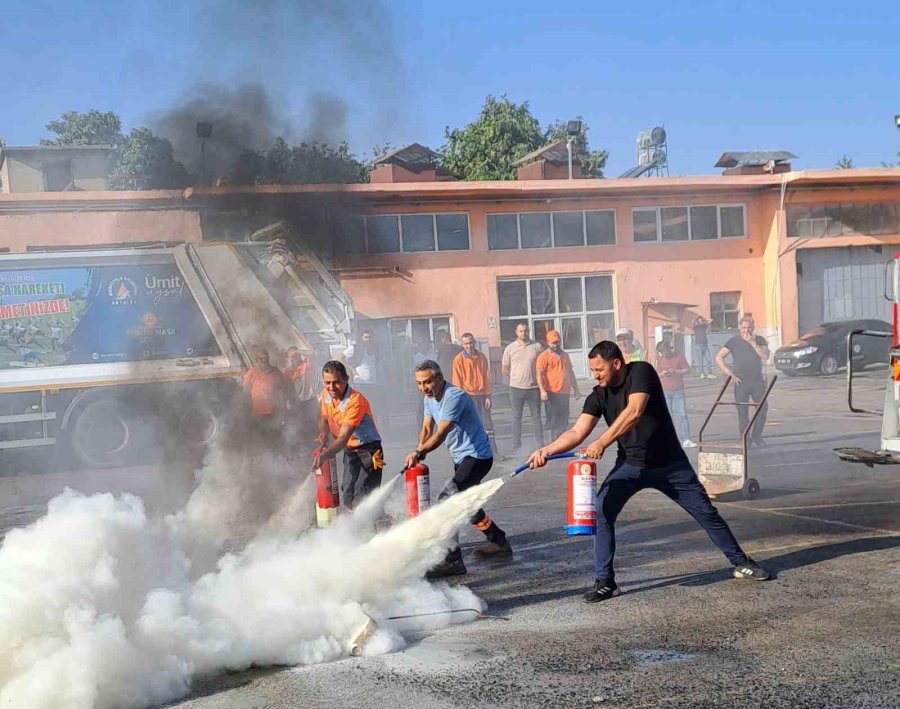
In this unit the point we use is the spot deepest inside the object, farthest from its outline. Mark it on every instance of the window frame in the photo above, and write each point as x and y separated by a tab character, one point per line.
434	232
690	230
816	225
722	310
584	313
553	245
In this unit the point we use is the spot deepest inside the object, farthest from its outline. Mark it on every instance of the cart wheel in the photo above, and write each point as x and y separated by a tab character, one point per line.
751	488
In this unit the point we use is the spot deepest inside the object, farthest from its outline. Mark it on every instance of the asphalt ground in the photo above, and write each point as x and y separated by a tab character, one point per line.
822	633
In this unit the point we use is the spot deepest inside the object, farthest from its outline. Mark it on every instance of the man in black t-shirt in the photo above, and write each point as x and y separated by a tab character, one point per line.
630	398
748	352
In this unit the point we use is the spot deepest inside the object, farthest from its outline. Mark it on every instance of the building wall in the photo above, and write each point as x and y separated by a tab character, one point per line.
788	246
89	172
24	171
4	177
73	228
22	176
464	282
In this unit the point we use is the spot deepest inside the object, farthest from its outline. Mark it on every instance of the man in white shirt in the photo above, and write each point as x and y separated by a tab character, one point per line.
518	363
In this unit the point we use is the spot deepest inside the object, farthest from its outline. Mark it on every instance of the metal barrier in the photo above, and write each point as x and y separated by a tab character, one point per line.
850	336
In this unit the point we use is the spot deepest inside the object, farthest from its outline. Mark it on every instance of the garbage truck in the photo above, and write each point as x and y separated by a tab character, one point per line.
108	352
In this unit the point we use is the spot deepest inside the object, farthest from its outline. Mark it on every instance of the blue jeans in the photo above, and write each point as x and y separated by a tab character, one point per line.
680	484
702	359
678	411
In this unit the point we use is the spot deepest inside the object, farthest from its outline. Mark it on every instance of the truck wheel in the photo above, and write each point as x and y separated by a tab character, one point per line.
102	434
198	425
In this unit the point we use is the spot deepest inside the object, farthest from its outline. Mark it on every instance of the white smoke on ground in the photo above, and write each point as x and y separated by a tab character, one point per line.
101	606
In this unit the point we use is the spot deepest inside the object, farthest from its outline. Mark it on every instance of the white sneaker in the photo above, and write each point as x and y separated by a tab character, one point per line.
688	443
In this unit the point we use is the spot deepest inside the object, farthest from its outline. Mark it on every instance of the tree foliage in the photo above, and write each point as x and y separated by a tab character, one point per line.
844	163
145	161
592	161
306	163
487	148
91	128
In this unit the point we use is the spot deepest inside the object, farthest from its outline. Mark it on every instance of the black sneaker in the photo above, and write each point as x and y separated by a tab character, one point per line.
446	569
494	551
601	591
750	571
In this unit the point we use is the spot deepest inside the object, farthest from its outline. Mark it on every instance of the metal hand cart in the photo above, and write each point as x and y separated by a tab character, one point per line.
722	467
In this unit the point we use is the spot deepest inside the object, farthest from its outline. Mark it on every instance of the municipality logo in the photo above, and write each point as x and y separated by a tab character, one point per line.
122	290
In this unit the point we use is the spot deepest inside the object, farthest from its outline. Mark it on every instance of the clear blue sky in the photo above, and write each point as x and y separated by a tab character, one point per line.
819	79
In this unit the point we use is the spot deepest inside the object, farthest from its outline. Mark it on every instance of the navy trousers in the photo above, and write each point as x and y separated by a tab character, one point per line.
680	484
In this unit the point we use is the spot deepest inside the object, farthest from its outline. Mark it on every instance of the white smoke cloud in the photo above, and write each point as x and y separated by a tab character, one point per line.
102	606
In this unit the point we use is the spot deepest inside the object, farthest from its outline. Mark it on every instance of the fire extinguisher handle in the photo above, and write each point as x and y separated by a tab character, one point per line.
555	456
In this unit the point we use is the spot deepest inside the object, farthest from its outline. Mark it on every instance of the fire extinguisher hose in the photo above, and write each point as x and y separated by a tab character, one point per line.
555	456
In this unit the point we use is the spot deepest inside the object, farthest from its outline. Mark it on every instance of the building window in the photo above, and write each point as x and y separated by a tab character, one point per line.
581	308
383	235
568	228
452	232
58	176
704	223
418	232
535	231
404	233
688	223
601	227
541	230
813	221
724	310
674	221
646	224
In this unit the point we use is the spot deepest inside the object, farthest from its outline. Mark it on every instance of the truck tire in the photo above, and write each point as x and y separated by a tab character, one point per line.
198	424
102	435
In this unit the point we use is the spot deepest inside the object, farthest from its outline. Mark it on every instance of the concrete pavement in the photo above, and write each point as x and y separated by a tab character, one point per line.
823	633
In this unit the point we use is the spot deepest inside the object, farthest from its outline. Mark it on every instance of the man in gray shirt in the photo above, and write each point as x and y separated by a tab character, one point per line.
518	364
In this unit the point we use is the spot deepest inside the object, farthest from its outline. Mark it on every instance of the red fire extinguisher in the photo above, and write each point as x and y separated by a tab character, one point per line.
418	489
328	496
582	505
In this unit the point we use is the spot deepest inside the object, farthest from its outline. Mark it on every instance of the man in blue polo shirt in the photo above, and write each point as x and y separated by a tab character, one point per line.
451	416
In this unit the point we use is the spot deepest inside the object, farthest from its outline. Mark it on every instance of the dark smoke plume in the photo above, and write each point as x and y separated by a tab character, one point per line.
291	69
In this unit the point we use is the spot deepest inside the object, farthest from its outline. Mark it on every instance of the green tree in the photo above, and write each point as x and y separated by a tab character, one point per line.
91	128
487	148
891	164
844	163
145	161
592	161
307	163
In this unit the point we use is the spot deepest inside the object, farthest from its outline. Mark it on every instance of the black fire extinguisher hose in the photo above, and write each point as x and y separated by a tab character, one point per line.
555	456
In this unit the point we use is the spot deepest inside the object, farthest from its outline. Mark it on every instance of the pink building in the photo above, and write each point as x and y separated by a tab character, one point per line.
581	256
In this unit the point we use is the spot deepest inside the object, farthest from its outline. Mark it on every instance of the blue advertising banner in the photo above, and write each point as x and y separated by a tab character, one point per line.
82	315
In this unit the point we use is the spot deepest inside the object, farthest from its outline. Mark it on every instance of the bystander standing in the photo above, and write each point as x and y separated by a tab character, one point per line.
672	367
556	379
518	363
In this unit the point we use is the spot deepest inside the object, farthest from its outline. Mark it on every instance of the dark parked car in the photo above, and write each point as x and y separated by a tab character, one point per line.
823	350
